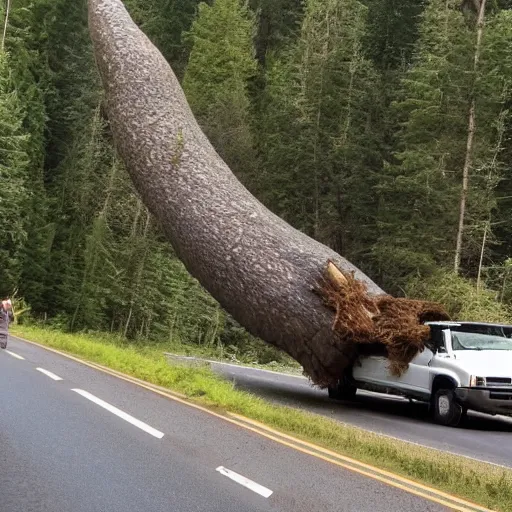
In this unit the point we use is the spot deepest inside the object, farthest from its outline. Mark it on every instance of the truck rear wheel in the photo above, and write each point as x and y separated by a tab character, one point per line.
344	390
445	408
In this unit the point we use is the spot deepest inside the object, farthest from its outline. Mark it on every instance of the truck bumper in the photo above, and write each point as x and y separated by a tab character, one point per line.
487	400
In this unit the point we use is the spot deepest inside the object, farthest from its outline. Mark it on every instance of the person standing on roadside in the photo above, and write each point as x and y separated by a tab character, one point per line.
6	317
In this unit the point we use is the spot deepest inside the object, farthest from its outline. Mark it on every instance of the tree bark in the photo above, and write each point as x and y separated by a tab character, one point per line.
6	24
482	254
260	269
468	162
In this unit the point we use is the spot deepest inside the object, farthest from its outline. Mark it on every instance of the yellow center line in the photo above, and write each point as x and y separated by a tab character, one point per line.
358	463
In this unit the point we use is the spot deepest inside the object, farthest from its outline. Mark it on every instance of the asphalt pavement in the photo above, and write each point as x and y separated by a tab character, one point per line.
75	439
482	437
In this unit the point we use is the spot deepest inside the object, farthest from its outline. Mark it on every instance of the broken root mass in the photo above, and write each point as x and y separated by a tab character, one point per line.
377	325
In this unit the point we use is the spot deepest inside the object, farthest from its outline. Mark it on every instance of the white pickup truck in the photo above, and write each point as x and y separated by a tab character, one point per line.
465	365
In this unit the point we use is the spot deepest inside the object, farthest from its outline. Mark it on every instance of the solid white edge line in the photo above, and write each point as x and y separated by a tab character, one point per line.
123	415
49	374
212	361
239	479
15	355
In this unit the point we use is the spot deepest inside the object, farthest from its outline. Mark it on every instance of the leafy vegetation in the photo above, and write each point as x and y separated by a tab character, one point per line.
462	299
348	118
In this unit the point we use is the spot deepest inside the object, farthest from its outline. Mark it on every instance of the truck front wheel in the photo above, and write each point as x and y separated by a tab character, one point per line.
344	390
445	408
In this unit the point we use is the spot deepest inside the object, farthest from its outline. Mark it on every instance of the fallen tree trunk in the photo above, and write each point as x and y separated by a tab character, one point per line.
260	269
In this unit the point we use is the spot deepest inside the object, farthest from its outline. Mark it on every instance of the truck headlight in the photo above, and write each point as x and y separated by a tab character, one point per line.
477	382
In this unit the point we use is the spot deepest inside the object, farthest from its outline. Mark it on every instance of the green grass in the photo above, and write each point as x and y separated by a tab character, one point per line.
488	485
253	353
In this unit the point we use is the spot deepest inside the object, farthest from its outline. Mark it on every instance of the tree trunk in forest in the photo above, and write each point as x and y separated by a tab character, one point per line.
6	24
260	269
481	262
139	261
468	162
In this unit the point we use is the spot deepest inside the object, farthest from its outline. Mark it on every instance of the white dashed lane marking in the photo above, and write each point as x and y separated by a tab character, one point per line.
123	415
49	374
14	355
239	479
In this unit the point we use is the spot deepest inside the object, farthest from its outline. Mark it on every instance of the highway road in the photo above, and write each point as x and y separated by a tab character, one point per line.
483	437
76	439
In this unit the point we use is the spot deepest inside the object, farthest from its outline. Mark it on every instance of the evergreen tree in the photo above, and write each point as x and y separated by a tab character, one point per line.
278	24
419	190
165	23
279	184
392	32
319	136
27	42
390	41
222	56
494	178
13	174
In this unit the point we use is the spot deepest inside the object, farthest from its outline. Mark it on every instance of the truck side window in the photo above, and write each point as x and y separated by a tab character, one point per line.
437	341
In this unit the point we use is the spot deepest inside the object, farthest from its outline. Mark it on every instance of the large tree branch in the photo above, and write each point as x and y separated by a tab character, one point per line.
259	268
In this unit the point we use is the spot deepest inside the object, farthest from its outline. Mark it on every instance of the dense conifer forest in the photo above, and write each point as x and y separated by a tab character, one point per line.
382	128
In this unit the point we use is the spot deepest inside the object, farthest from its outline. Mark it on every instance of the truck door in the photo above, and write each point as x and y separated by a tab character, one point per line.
371	369
417	377
376	370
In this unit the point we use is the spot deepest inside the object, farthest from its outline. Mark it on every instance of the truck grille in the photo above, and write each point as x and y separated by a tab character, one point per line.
501	395
498	381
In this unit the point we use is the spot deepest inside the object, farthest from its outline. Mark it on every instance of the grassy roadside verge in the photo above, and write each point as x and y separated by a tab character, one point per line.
485	484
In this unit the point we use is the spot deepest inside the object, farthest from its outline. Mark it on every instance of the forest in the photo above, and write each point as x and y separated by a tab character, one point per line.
381	128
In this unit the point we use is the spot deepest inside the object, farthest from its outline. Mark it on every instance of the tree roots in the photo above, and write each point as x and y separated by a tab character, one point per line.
377	325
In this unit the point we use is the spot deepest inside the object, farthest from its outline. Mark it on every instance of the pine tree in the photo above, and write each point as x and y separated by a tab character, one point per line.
392	32
13	174
319	142
26	41
390	42
222	56
419	190
279	185
278	23
165	23
493	176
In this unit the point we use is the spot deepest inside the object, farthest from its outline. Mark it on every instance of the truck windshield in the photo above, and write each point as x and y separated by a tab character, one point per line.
476	341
